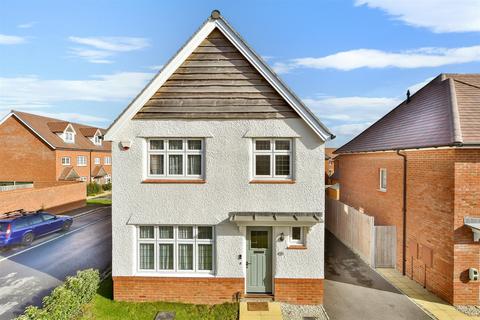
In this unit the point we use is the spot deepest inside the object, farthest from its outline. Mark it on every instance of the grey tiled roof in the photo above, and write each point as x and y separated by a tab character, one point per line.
445	112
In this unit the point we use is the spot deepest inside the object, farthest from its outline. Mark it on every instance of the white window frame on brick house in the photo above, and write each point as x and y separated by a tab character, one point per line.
273	152
81	161
382	183
84	179
65	161
195	241
97	160
69	134
166	151
97	138
107	161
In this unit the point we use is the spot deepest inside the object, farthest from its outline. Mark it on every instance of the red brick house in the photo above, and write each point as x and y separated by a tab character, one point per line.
40	149
418	168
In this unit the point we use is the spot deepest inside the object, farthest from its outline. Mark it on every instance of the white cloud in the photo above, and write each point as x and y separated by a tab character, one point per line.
436	15
37	93
116	44
6	39
372	58
350	129
156	68
27	25
74	117
98	49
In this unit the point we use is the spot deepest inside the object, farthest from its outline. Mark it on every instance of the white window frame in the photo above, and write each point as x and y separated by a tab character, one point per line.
382	176
296	242
107	161
176	241
84	179
185	152
69	134
66	161
81	163
97	160
272	153
96	140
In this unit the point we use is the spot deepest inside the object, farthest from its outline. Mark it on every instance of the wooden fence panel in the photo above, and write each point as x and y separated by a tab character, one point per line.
353	228
385	246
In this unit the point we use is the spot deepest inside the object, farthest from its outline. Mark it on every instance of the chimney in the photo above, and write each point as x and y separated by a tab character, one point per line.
215	14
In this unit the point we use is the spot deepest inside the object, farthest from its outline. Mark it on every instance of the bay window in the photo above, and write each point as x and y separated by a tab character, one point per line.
176	248
272	158
175	158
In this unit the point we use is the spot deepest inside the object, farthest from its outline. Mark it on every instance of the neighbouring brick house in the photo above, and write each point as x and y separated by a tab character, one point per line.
219	181
434	136
40	149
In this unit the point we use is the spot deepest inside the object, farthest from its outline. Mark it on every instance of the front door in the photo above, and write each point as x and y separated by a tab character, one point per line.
259	260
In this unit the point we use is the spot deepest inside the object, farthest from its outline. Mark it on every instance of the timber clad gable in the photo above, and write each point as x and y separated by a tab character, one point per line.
216	82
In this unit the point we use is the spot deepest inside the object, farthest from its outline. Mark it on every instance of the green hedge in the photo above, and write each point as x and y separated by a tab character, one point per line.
67	300
93	188
107	186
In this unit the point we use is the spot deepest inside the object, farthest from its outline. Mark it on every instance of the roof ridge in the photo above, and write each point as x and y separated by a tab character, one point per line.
457	130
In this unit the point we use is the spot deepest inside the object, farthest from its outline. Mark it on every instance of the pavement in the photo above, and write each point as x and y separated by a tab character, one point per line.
353	290
27	274
439	308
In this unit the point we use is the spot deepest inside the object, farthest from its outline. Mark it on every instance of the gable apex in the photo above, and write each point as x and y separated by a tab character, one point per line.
217	22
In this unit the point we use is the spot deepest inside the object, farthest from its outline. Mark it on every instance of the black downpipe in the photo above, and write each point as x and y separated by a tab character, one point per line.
404	209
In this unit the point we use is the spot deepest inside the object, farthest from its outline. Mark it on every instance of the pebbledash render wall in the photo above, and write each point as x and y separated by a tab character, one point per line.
228	168
443	187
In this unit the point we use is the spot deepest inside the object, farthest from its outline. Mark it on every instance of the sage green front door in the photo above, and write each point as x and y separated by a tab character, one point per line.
259	259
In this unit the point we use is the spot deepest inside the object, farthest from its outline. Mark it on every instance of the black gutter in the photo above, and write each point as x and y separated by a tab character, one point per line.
404	210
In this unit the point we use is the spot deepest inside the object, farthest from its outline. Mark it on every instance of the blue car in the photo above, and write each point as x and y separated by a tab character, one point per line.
20	227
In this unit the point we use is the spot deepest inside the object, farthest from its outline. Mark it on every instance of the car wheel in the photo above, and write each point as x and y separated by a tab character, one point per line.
27	239
67	225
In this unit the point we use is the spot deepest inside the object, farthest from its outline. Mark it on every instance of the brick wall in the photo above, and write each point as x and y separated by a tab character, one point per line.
466	203
23	156
443	186
83	171
299	291
188	290
56	197
359	188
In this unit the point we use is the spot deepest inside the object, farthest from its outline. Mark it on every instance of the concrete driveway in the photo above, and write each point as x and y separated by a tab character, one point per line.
354	291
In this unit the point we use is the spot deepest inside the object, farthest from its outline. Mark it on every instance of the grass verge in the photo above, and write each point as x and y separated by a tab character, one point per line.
105	202
103	308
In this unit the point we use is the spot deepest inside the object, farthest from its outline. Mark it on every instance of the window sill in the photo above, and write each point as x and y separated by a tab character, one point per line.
297	247
382	190
272	181
175	181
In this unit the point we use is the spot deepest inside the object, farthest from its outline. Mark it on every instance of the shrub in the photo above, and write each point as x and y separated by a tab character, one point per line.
67	300
93	188
107	186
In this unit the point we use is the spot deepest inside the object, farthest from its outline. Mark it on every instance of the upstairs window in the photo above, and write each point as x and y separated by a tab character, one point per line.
69	134
272	158
383	179
97	140
175	158
65	161
107	161
97	160
81	161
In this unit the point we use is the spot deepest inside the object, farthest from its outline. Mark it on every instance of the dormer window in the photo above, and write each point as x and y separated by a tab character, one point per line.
69	134
97	140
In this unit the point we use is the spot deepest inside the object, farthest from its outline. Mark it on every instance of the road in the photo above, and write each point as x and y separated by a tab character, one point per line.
355	291
29	273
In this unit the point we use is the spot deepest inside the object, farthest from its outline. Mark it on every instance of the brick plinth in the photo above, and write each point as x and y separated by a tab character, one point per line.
187	290
299	291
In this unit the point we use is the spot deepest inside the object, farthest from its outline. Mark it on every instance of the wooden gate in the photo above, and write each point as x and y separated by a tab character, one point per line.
385	246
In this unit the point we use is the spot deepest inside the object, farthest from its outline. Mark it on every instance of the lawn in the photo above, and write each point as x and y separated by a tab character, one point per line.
103	307
105	202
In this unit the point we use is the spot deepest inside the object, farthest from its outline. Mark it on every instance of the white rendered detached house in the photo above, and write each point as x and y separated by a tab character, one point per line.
219	187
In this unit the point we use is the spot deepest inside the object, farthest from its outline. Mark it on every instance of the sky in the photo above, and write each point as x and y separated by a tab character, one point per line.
350	61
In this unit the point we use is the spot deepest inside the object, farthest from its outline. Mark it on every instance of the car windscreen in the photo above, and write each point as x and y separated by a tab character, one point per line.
3	226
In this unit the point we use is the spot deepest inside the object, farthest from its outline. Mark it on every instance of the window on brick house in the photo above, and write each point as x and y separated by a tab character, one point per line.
383	180
65	161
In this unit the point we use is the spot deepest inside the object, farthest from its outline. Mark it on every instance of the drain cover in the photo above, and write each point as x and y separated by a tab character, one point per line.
257	306
165	315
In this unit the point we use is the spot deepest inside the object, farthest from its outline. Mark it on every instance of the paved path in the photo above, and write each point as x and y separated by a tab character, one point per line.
355	291
28	274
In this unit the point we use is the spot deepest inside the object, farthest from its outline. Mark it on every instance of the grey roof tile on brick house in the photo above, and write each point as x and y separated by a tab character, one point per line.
445	112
